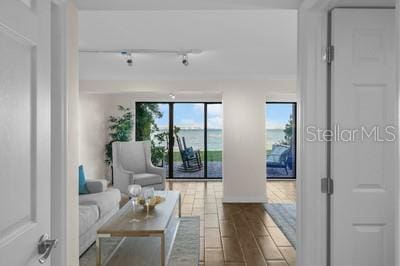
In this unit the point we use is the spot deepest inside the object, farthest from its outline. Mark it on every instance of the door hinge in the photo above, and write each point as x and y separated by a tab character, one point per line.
327	186
329	54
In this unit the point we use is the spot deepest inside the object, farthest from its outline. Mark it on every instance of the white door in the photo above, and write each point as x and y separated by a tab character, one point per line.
24	129
364	171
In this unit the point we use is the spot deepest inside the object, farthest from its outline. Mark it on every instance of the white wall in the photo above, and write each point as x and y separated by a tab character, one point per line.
243	115
72	147
244	145
93	134
95	109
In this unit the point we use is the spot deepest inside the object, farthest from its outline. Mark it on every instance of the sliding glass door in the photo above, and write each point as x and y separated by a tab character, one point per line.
214	140
186	137
280	140
188	124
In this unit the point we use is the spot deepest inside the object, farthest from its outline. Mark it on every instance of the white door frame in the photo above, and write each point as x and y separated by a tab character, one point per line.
397	222
64	132
311	164
311	203
58	133
312	74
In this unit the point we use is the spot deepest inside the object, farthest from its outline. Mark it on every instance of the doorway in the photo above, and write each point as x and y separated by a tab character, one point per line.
186	137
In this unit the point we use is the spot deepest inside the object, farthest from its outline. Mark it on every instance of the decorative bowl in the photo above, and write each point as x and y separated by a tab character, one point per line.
153	201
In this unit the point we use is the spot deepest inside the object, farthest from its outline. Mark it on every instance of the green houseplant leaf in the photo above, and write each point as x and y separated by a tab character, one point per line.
120	130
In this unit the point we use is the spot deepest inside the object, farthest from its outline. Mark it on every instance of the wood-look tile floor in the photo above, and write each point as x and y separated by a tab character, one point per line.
237	234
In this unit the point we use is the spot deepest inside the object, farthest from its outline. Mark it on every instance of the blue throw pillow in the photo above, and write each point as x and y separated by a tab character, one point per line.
82	181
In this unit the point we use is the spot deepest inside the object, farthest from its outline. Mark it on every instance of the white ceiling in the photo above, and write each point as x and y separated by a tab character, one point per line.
364	3
245	45
184	4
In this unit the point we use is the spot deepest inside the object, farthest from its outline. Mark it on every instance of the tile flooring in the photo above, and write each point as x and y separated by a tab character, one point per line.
237	234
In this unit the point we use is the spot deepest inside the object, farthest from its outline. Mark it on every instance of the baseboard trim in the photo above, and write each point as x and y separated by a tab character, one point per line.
234	199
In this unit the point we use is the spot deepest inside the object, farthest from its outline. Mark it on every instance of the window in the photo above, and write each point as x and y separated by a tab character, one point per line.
191	131
280	140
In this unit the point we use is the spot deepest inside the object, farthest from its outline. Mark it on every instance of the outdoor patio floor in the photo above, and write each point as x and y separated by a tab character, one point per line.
215	170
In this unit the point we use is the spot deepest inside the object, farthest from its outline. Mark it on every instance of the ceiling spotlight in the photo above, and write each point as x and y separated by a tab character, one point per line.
185	60
172	96
128	56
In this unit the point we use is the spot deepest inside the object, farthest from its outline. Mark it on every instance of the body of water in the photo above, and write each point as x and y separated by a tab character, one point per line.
195	138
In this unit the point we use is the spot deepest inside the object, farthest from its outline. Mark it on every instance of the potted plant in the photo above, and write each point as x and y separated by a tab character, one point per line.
120	130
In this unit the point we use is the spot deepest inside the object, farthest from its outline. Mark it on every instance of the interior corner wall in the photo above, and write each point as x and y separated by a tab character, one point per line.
95	110
93	134
244	145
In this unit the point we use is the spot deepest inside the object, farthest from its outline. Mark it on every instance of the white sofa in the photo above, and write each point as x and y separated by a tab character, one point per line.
132	165
95	209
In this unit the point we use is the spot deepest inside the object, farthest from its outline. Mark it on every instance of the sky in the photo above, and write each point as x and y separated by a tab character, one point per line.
277	115
191	115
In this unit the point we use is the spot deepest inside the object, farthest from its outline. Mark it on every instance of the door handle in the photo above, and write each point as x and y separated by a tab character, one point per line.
45	246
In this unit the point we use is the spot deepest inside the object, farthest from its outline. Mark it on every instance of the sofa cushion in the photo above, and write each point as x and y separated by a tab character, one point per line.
105	201
88	216
147	179
96	185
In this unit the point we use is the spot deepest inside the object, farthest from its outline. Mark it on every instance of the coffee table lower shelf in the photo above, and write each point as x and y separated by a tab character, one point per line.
163	254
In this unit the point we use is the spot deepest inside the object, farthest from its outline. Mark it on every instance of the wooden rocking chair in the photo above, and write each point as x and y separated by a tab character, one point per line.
191	159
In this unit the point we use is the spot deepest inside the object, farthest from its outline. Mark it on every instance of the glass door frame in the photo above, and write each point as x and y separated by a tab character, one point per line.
171	138
294	177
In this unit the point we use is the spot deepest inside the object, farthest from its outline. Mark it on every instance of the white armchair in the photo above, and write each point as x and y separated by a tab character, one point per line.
132	165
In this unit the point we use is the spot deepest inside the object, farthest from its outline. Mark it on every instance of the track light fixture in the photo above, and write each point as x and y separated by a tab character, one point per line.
127	53
185	60
128	56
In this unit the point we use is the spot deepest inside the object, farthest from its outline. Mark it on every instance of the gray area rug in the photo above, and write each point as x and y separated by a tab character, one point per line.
146	250
284	215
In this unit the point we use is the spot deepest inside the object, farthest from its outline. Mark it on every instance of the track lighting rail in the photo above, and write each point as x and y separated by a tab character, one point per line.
144	51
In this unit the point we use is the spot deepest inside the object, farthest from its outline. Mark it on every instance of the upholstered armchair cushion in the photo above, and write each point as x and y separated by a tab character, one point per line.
147	179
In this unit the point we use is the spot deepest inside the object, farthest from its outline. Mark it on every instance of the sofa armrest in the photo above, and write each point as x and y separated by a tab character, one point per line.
96	185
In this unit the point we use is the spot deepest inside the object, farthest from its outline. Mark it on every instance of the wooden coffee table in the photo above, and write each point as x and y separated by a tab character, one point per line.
121	224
